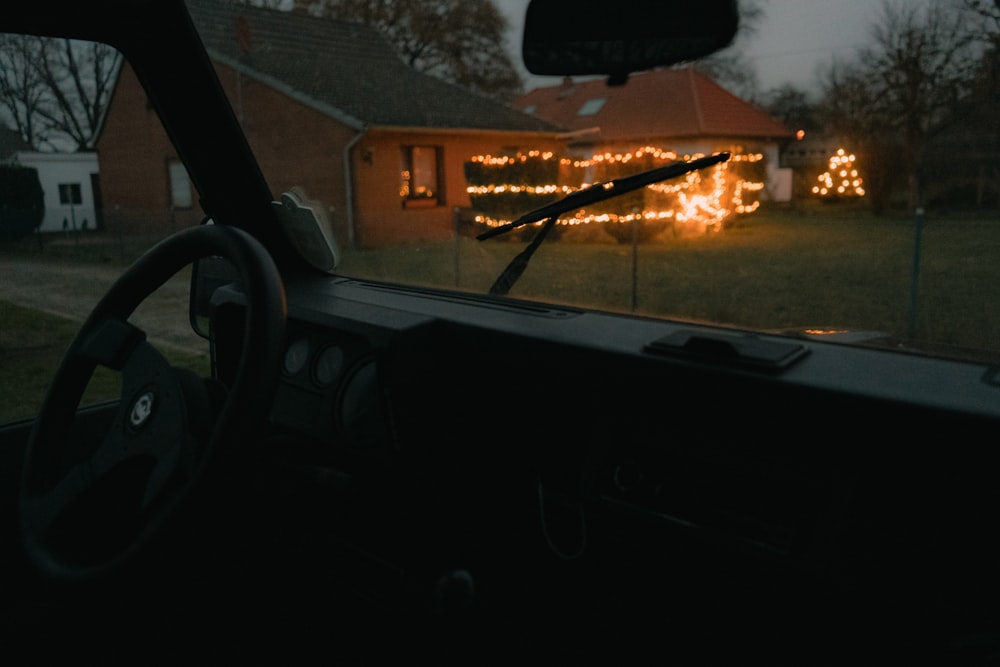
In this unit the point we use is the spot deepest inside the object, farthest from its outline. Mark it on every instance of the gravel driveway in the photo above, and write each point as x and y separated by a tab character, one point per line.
71	290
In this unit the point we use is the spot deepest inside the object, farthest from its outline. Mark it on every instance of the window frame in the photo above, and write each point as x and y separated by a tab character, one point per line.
180	194
75	192
407	177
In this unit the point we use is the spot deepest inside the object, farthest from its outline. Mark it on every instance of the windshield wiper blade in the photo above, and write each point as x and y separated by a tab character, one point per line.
602	191
506	280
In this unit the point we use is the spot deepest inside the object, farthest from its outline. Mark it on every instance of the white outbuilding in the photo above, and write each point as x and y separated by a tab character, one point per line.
69	181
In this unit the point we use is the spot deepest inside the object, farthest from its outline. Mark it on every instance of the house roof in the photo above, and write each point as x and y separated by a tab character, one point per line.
663	103
346	70
11	143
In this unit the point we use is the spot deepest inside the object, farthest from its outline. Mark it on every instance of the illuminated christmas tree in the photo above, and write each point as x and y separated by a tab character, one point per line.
841	180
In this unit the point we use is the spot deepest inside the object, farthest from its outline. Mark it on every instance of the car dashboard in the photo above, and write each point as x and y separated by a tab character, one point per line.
631	473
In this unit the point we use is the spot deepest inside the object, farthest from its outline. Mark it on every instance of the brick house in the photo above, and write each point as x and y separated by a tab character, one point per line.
329	108
677	109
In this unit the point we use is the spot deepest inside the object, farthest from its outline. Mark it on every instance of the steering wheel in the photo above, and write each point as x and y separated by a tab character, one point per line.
87	504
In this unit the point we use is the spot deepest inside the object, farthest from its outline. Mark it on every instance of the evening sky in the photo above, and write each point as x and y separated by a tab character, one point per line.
793	39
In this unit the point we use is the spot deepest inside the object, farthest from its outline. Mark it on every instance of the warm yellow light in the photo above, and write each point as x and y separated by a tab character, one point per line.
692	200
841	164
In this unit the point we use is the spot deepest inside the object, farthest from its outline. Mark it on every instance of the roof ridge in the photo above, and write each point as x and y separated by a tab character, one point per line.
676	103
347	70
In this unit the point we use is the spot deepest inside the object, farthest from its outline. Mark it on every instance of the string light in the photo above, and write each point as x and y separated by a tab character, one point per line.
706	201
840	179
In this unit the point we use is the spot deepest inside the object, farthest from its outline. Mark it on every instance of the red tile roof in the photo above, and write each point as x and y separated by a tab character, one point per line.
665	103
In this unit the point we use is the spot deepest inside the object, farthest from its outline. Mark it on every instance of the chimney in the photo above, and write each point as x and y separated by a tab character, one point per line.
566	88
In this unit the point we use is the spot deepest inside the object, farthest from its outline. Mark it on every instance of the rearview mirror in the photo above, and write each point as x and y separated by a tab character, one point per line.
565	37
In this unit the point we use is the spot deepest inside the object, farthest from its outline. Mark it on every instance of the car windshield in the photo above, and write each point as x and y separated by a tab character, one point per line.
834	168
499	328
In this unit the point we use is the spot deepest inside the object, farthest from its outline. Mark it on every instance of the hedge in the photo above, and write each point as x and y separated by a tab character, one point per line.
22	203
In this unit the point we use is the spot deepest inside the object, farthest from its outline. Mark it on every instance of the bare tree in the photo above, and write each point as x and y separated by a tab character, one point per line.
898	93
22	93
981	148
730	67
461	41
987	10
792	106
55	91
79	77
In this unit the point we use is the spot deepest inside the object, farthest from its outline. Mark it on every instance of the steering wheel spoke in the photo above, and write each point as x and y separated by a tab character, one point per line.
111	342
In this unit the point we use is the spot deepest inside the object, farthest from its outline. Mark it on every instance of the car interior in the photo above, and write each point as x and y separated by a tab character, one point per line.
375	470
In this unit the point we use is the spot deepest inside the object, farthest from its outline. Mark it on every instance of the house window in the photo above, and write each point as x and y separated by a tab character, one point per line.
69	193
421	178
180	185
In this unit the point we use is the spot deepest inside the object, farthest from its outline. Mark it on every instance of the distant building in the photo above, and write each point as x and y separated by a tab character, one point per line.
680	109
69	183
808	158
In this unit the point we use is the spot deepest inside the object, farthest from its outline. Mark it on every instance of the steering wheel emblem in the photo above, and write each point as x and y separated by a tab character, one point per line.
142	410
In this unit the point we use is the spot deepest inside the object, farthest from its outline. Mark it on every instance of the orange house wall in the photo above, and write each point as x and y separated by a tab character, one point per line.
381	215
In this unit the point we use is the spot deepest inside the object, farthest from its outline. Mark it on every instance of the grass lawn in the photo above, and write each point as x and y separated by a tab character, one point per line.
818	266
32	344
